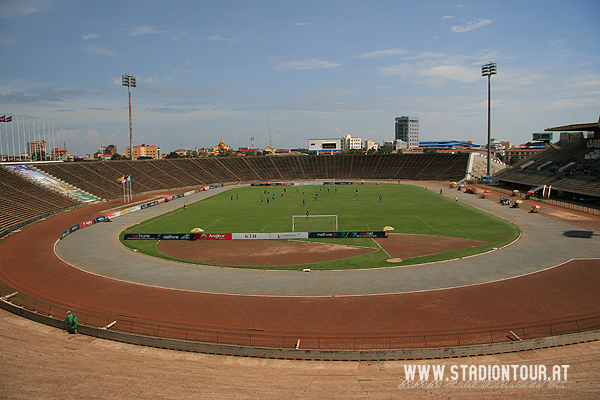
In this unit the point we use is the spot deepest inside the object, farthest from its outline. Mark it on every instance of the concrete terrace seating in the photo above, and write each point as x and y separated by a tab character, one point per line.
100	178
580	177
21	200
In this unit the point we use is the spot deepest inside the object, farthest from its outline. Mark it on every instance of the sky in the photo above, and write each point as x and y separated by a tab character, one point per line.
283	72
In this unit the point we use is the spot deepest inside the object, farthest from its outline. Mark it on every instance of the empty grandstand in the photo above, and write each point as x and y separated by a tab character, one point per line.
571	167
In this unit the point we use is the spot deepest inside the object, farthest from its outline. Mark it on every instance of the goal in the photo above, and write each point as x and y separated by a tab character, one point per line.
314	223
319	182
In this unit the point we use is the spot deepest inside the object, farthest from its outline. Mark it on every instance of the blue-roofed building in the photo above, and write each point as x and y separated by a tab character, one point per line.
448	144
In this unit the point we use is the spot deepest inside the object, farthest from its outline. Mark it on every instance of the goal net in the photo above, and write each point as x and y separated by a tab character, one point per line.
314	223
319	182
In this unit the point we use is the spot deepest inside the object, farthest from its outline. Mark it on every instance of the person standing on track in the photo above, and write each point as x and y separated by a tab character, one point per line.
71	323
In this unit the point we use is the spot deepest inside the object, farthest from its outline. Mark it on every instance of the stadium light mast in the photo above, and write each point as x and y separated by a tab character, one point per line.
488	70
129	81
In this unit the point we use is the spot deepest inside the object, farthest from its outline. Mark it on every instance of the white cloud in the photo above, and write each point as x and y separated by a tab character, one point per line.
302	23
102	51
447	17
307	64
144	29
324	94
434	75
9	9
382	53
90	36
424	55
217	37
471	25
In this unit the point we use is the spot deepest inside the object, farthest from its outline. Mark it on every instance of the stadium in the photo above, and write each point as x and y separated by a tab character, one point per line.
532	294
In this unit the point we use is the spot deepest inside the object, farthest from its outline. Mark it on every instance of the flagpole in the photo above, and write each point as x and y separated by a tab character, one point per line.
29	141
12	134
18	138
24	141
45	150
1	158
53	146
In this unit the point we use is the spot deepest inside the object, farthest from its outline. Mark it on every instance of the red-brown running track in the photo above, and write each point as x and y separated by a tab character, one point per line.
28	265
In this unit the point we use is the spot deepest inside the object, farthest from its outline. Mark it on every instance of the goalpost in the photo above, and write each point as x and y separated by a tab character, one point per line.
319	182
314	223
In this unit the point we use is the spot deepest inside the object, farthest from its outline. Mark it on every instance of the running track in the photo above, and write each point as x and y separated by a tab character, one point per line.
568	291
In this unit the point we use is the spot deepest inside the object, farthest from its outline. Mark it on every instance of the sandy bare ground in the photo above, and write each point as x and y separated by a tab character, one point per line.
278	252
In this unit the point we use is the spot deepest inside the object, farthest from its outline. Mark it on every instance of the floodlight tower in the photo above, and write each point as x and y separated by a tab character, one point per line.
129	81
488	70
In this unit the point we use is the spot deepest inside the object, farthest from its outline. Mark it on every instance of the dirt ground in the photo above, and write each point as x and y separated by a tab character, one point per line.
279	252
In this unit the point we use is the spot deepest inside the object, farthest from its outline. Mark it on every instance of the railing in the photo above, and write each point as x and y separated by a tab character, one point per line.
311	340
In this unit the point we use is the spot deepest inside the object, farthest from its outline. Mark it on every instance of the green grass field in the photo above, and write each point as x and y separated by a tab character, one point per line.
407	208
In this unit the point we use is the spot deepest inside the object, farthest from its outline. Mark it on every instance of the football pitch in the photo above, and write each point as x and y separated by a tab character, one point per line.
408	209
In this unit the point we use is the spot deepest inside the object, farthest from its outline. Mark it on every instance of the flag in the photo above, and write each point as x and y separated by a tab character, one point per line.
126	179
120	180
3	118
8	119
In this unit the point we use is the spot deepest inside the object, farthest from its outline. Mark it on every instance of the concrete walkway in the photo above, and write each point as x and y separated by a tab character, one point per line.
545	243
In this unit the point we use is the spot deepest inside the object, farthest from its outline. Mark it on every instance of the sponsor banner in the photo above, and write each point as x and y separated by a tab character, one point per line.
215	186
354	234
141	236
176	236
69	231
259	184
289	235
135	208
189	193
344	183
151	204
247	236
212	236
86	223
100	219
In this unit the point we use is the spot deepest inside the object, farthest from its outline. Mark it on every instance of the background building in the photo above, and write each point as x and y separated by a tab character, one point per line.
325	145
350	143
395	145
59	154
371	144
36	147
407	130
151	151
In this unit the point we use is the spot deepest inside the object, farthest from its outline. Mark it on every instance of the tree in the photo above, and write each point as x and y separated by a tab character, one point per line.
384	150
172	154
226	153
117	156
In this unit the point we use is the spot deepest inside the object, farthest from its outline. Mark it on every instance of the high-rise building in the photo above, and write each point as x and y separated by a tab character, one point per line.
407	130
